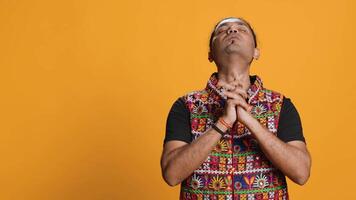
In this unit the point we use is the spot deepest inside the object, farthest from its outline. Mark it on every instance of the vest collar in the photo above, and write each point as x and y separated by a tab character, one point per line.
255	86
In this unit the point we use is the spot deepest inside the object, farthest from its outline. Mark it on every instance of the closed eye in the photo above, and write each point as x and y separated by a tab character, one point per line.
221	30
243	30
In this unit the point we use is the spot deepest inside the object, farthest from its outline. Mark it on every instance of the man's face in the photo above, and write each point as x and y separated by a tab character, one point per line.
233	38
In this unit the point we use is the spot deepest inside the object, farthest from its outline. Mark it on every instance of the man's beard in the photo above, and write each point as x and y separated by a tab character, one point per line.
233	48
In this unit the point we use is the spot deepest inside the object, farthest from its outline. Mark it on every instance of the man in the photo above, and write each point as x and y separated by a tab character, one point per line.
234	139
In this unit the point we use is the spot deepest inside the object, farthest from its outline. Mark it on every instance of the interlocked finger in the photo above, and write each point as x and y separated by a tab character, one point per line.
236	94
238	102
225	86
241	92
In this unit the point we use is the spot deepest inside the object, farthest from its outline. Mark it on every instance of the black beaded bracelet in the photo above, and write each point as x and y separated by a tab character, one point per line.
218	130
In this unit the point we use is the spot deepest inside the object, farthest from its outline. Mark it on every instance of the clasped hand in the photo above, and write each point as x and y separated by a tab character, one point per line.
236	107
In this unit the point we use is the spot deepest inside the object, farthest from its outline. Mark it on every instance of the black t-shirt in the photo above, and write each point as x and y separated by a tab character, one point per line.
178	123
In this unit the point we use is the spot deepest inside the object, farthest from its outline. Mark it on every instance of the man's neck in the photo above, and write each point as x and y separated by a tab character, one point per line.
235	71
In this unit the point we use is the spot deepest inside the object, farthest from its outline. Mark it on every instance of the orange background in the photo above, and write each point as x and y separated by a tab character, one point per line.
86	87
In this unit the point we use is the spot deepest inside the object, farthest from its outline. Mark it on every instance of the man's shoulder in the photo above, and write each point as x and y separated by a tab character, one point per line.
268	90
193	94
272	94
280	98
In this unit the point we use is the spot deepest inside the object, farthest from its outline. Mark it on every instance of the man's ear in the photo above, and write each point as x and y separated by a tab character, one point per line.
210	57
256	53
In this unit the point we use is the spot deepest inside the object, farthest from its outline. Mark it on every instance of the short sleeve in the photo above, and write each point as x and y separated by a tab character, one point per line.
178	123
289	125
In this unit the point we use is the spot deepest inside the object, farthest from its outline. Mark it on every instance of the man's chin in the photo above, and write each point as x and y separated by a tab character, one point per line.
233	49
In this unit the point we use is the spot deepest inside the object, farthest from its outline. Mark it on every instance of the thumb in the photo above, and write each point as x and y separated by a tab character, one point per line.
250	108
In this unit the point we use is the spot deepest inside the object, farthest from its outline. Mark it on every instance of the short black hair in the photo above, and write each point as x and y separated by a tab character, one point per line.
248	24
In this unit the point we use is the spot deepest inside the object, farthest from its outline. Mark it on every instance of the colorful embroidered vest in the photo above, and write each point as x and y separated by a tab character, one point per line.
236	168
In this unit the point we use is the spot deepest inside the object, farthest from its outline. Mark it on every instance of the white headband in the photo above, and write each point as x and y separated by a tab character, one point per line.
232	19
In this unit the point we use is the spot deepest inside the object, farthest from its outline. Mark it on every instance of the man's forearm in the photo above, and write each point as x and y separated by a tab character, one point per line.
292	161
184	160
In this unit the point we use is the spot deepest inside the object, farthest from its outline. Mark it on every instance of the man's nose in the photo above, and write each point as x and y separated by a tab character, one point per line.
232	30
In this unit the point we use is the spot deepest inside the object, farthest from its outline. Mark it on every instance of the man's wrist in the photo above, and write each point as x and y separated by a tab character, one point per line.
253	125
225	122
248	120
219	127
